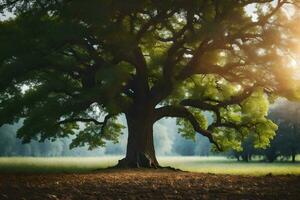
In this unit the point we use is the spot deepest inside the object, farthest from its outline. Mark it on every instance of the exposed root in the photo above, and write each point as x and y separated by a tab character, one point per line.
143	161
124	164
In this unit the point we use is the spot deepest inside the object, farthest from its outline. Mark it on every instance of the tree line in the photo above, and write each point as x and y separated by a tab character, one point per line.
167	144
285	145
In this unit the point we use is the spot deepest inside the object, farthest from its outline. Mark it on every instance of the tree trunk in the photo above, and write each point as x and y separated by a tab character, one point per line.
293	157
140	146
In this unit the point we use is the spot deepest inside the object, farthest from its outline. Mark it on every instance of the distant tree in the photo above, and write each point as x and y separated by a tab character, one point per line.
246	152
66	64
202	147
292	141
7	140
286	143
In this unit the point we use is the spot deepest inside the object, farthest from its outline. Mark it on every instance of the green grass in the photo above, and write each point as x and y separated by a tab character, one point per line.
55	164
218	165
221	165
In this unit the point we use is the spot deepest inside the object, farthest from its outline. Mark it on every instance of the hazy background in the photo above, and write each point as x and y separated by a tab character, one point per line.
166	139
167	142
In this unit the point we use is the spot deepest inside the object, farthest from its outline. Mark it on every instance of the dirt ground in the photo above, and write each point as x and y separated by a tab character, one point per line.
147	184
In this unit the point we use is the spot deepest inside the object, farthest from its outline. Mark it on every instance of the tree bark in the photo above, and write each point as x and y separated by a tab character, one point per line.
140	146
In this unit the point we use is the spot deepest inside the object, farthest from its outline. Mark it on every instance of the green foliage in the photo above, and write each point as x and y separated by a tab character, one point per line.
255	108
250	120
228	138
185	127
94	136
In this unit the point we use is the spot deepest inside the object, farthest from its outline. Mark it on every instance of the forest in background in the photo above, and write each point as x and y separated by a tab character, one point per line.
168	142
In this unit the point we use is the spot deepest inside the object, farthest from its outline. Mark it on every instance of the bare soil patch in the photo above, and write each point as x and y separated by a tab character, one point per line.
147	184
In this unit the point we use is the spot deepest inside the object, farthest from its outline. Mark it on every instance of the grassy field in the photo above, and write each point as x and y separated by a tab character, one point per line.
218	165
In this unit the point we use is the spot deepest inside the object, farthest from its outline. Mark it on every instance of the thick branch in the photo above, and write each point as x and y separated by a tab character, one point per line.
197	103
70	120
182	112
141	67
173	56
153	22
104	123
195	66
139	82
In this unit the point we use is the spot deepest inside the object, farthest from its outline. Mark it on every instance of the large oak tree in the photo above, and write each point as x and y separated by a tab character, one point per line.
71	67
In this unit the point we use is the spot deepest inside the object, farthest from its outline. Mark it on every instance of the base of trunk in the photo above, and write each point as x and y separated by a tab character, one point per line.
141	161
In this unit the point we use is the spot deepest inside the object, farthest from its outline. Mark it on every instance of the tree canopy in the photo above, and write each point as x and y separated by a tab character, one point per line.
72	67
